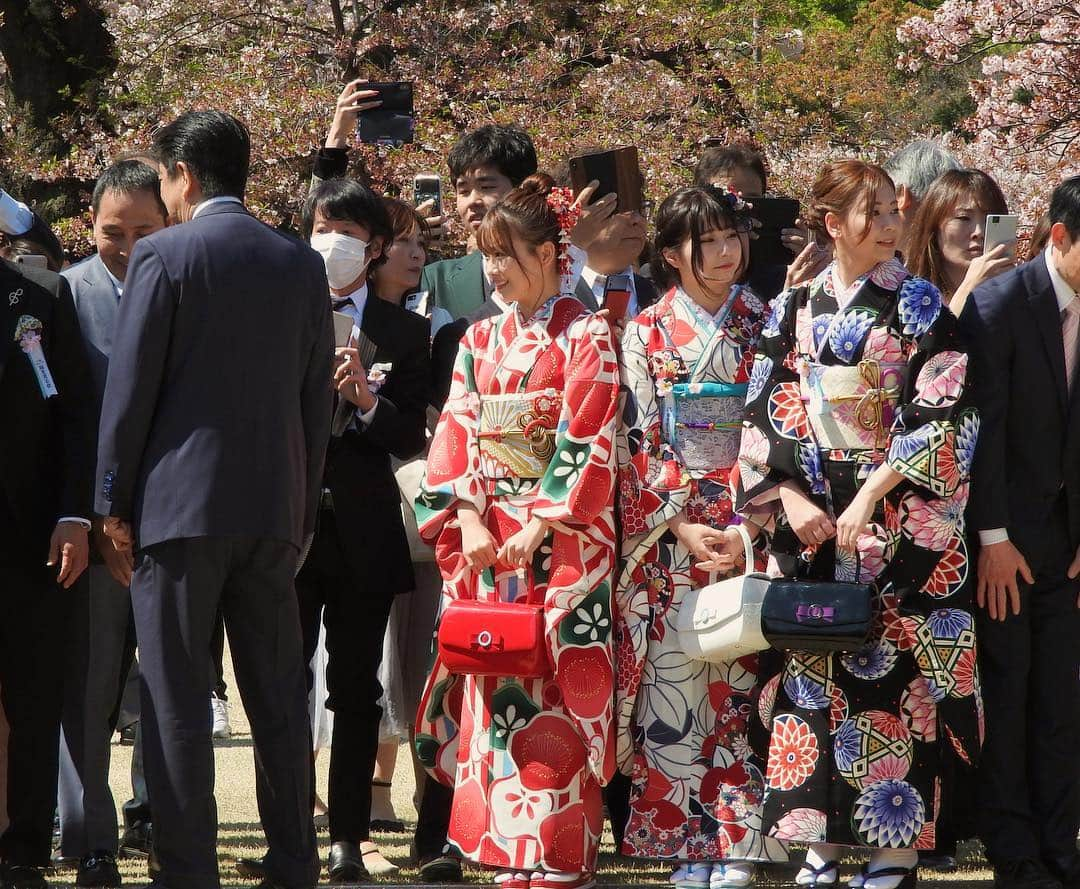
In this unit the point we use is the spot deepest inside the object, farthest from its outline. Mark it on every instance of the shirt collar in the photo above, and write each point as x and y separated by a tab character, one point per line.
117	284
209	202
359	299
1064	293
593	277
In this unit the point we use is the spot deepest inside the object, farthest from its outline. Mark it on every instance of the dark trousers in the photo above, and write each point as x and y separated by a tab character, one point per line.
433	819
176	592
217	661
33	625
355	623
1029	806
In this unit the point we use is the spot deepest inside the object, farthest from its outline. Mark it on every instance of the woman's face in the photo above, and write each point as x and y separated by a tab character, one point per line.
520	278
722	252
960	236
879	242
404	262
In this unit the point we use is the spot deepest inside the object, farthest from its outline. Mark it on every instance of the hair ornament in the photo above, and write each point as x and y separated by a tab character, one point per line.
561	202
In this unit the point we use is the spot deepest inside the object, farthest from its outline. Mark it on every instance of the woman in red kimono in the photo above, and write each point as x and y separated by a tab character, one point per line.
518	502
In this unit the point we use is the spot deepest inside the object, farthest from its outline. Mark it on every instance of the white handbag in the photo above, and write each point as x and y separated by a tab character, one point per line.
721	622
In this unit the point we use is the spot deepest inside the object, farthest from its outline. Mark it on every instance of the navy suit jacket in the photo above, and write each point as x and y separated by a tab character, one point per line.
1028	450
218	401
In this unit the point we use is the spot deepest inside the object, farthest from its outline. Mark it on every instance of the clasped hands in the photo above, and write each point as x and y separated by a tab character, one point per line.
478	543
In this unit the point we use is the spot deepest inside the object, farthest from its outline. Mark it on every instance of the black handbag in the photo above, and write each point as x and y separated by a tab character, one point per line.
817	615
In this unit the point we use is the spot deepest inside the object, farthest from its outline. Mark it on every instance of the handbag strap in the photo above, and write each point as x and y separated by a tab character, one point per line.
748	549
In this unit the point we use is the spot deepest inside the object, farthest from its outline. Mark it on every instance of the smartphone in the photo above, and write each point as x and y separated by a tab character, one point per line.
774	215
343	325
393	122
32	260
617	171
617	296
999	229
428	187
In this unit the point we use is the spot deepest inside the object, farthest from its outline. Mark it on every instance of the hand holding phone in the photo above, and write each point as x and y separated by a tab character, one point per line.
357	96
1000	229
617	172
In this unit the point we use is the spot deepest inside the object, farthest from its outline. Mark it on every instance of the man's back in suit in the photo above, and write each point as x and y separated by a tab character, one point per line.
218	385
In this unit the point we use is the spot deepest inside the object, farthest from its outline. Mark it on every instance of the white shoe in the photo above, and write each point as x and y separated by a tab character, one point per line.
219	717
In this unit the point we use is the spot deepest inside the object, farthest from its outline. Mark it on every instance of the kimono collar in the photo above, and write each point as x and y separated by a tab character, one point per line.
541	316
707	318
887	275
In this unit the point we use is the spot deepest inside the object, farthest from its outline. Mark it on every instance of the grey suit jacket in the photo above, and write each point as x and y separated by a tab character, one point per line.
96	304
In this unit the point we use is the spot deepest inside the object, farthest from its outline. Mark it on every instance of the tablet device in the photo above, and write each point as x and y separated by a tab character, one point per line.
617	171
393	122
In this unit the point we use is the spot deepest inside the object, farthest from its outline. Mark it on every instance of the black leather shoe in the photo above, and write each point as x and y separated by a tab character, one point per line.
345	864
441	869
137	839
252	868
21	876
1024	873
98	870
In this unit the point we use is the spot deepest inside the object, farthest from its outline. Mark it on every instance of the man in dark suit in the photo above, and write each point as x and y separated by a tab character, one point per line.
485	165
213	433
46	460
125	206
1025	506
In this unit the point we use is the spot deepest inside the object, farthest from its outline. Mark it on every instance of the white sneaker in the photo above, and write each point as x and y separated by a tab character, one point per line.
219	717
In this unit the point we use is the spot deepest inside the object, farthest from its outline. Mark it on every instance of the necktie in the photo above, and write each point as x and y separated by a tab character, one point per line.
1070	334
600	289
340	302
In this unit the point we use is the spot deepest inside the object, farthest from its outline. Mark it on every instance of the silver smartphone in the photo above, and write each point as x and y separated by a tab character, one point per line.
428	187
343	325
999	229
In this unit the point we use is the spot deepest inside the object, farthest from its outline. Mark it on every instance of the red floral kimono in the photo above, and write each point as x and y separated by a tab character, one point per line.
527	757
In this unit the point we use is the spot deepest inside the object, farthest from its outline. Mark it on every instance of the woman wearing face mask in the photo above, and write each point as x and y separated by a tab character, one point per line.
359	559
859	444
518	501
945	244
697	785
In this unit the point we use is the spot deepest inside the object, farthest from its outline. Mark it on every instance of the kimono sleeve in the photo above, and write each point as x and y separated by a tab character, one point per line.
452	476
777	444
653	486
933	434
580	479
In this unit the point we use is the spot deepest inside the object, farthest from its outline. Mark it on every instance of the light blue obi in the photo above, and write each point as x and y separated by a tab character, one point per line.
703	423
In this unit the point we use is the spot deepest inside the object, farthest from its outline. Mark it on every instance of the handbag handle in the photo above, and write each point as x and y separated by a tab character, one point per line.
748	549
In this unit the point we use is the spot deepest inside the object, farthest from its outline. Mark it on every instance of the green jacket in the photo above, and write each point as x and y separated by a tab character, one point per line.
456	285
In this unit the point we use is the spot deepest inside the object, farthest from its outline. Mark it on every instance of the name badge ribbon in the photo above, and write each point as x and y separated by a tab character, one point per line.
28	336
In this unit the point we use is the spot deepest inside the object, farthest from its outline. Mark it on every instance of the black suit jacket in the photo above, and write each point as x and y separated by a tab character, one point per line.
367	500
46	445
218	398
1028	451
644	290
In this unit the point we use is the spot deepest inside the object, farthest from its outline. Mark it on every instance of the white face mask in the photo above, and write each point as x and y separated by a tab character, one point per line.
345	257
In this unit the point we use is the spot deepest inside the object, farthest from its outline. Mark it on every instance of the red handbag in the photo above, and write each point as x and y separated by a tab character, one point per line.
494	639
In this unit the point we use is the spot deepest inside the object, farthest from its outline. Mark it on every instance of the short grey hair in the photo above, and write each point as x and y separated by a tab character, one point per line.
918	164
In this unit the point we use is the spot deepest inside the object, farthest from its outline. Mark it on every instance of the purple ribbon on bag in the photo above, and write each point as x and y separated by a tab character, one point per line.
824	613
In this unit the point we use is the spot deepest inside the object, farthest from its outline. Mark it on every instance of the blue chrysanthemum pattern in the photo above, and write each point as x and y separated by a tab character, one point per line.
889	814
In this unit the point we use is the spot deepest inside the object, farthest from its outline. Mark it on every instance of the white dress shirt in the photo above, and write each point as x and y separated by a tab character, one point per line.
220	199
1064	295
355	308
15	217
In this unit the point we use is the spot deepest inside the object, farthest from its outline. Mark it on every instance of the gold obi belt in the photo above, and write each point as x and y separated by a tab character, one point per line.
852	408
517	433
703	423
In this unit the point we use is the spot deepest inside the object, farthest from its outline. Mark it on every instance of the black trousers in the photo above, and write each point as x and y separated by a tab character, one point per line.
1029	805
176	591
33	627
355	623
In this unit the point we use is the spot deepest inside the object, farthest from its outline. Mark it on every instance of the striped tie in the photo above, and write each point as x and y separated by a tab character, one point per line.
1070	333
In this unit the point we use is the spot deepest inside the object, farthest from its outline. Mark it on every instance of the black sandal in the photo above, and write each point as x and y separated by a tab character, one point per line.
818	872
385	825
910	875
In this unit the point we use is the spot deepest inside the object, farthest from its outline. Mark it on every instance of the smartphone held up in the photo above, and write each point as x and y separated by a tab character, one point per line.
393	123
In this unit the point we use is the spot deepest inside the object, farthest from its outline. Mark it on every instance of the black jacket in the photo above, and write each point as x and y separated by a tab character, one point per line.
367	500
1028	450
46	445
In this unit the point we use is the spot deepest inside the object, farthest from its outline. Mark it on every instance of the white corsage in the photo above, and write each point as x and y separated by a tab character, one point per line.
28	336
377	375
